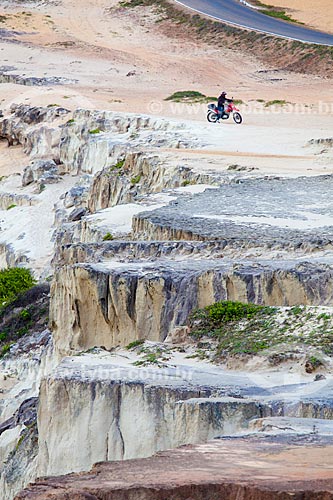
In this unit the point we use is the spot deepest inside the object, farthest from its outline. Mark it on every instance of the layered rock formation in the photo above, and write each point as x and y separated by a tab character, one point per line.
254	469
110	304
136	239
120	411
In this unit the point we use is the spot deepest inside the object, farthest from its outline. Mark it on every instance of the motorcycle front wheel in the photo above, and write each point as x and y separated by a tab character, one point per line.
237	118
212	117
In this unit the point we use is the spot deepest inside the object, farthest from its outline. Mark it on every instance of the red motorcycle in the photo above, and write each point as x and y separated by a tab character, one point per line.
214	115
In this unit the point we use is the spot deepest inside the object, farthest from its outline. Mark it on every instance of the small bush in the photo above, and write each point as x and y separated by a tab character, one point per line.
3	336
226	311
135	343
14	281
118	166
190	96
25	314
95	131
315	362
11	206
5	349
136	179
108	237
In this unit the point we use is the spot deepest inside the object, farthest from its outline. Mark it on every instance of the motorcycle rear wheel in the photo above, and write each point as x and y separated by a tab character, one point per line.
212	117
237	118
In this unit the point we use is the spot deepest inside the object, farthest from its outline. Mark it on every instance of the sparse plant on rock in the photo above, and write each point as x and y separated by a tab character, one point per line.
108	237
136	179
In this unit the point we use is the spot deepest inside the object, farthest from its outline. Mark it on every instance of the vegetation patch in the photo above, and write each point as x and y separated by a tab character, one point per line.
108	237
156	355
190	96
118	166
95	131
14	281
25	314
276	102
237	328
136	179
135	343
278	13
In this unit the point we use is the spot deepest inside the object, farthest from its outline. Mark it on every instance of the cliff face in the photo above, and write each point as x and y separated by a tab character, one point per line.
138	175
21	374
115	304
119	411
116	420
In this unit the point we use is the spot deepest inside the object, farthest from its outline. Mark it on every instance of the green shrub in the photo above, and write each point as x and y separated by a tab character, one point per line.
11	206
14	281
3	336
237	327
108	237
190	96
25	314
136	179
5	349
297	310
95	131
135	343
118	166
315	362
226	311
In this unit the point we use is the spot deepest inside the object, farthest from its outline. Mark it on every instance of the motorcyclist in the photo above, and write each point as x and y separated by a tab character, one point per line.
221	102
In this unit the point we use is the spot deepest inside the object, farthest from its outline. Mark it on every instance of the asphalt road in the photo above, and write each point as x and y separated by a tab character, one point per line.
236	13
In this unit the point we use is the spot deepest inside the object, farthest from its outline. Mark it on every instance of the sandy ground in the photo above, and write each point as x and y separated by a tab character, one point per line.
315	13
123	62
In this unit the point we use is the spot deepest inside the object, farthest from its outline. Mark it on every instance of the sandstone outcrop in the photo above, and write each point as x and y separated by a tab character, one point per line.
138	239
109	305
45	172
245	468
119	410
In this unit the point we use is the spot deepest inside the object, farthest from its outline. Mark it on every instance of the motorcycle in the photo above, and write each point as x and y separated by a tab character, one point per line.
214	115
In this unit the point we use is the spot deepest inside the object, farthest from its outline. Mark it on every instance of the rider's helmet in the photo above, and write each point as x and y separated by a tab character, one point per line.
224	93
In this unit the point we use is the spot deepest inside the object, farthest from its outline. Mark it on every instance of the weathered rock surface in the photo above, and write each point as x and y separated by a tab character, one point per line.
21	200
113	303
245	468
44	171
139	174
95	140
33	81
118	410
292	212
